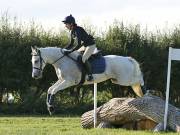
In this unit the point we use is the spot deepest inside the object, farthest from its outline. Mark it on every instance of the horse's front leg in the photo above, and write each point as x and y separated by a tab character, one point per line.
50	98
59	85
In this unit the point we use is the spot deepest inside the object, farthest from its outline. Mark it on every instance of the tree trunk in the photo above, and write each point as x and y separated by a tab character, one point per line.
133	113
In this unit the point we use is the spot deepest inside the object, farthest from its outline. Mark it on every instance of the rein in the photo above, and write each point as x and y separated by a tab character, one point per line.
58	58
42	60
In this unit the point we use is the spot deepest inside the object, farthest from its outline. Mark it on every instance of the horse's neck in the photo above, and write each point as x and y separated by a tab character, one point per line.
50	55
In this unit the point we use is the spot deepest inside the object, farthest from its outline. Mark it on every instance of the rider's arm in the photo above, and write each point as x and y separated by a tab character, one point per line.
78	40
71	43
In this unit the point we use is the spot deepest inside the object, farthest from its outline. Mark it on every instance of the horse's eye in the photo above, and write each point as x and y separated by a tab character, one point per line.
36	61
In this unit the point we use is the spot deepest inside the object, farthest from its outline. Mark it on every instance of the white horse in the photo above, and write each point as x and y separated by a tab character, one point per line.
121	70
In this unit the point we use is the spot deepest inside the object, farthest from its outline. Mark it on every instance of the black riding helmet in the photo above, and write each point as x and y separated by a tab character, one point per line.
69	19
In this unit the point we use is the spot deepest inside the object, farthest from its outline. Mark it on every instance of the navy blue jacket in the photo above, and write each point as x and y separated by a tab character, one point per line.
83	39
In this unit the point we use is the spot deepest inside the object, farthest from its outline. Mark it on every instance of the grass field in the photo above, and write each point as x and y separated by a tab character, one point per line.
57	126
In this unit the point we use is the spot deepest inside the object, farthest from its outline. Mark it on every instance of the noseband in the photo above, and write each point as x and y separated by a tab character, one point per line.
42	60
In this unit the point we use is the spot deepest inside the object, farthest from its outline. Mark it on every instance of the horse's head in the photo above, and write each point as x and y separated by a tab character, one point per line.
38	63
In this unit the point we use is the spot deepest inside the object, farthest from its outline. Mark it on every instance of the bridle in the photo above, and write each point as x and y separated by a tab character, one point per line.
42	60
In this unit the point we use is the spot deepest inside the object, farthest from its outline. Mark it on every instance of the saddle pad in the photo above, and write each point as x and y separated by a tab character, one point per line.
98	65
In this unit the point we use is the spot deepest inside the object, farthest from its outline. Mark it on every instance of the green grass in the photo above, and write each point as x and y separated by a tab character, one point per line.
57	126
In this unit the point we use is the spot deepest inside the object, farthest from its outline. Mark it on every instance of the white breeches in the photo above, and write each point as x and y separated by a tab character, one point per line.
88	51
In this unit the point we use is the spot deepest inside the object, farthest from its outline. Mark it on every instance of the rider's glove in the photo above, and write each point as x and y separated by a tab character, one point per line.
66	52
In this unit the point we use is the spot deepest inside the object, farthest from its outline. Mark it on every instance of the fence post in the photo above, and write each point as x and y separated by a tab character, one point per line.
95	104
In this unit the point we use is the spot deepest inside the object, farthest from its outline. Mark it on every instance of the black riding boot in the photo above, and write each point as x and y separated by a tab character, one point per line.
88	70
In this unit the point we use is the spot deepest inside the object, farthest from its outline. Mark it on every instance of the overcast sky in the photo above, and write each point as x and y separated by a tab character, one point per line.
155	14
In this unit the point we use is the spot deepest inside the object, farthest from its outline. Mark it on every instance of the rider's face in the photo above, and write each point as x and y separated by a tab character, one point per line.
68	26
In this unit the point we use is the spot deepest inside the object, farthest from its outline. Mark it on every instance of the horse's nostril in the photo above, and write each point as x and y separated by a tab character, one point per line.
34	76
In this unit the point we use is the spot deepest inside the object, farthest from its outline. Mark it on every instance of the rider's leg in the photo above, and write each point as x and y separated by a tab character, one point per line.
88	52
88	70
81	49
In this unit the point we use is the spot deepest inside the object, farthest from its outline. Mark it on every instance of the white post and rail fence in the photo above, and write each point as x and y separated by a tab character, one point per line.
174	54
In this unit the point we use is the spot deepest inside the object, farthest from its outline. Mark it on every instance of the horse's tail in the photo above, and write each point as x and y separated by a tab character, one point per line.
137	71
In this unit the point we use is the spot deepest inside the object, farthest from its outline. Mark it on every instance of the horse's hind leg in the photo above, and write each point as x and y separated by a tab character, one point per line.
137	89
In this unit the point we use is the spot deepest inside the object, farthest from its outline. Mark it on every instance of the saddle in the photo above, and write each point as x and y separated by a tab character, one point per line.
96	55
96	60
97	64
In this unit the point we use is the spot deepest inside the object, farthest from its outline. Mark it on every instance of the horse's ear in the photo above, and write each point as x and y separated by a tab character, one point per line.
34	48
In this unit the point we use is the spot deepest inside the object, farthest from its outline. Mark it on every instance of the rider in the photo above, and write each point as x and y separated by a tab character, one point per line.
83	42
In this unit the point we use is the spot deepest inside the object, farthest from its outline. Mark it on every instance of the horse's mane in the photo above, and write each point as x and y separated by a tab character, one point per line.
54	50
49	48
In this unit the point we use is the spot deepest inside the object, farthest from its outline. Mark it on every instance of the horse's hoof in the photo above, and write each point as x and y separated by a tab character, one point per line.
51	110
